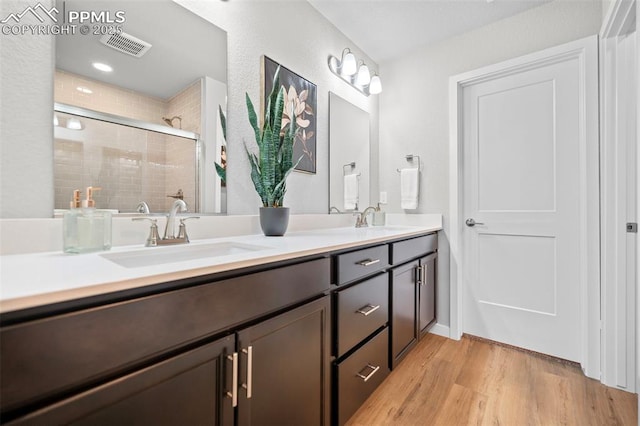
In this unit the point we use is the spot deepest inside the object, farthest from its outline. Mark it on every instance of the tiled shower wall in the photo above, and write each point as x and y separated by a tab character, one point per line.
131	165
108	98
186	104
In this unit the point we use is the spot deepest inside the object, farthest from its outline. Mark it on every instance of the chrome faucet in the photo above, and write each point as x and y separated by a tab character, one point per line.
361	220
169	229
143	207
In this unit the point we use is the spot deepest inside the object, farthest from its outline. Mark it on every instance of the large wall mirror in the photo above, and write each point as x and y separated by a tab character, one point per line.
139	112
348	156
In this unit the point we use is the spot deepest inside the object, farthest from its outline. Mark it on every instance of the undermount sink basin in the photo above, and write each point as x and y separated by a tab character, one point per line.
181	253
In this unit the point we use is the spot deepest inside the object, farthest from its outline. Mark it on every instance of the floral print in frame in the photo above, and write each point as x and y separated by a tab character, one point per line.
300	104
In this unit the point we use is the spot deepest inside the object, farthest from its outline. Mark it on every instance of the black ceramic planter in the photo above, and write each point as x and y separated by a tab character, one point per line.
274	220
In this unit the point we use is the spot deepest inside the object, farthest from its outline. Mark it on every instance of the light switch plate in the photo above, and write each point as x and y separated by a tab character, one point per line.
383	197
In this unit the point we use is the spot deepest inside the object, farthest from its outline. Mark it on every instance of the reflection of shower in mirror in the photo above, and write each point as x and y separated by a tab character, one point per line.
169	121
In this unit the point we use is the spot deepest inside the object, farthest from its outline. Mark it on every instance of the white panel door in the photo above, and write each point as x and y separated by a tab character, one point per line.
521	175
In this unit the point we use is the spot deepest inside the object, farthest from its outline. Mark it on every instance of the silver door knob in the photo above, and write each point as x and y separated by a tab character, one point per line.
471	222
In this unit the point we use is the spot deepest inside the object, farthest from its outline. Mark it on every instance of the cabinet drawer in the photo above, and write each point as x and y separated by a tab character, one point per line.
361	310
415	247
41	358
360	374
361	263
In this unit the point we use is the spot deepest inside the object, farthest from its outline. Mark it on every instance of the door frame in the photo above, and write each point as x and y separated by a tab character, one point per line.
619	330
586	52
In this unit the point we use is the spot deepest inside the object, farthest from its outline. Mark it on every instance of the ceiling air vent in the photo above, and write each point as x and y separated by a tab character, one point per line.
126	43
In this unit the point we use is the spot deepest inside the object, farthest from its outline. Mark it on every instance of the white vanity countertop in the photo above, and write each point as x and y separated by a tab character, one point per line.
30	280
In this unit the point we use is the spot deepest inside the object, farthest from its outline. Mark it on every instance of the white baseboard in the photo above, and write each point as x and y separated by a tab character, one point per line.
440	330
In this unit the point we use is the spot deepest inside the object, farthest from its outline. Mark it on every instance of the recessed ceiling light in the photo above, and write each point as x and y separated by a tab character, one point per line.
102	67
84	90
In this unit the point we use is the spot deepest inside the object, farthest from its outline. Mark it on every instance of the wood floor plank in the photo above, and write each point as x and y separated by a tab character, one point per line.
474	382
463	406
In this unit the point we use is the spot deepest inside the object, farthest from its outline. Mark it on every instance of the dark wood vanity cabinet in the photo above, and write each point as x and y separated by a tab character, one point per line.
190	388
360	328
427	294
272	345
404	293
168	358
284	369
412	294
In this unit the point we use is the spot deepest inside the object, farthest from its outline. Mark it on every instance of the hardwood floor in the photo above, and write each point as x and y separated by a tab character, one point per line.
447	382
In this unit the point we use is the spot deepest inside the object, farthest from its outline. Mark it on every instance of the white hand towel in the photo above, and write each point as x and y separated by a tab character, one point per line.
409	188
351	191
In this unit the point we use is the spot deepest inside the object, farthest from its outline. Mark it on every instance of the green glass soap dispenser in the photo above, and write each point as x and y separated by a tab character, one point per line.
85	228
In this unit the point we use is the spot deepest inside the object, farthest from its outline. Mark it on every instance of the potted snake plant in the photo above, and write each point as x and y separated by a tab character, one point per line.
273	163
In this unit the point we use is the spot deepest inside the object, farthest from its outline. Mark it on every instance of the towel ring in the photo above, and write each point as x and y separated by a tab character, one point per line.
352	165
411	158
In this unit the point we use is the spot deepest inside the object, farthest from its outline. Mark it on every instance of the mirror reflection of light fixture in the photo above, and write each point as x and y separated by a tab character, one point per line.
74	124
358	77
102	67
84	90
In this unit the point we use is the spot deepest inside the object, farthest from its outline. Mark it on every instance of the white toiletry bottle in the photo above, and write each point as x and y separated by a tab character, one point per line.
86	229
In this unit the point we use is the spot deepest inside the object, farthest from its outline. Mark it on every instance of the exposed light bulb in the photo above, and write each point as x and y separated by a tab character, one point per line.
364	77
375	86
348	66
55	120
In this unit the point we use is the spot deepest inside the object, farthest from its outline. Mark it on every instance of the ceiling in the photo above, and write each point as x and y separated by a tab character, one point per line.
184	48
386	29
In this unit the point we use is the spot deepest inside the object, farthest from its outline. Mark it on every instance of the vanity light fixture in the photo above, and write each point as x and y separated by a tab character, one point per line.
364	76
375	86
345	67
358	77
348	65
102	67
56	122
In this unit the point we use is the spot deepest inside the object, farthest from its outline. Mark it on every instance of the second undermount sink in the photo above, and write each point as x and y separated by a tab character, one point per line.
160	255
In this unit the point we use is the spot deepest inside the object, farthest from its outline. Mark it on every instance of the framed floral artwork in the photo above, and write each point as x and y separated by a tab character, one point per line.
301	104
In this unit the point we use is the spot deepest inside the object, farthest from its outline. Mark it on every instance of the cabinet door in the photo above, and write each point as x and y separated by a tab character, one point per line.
404	293
284	368
427	293
188	389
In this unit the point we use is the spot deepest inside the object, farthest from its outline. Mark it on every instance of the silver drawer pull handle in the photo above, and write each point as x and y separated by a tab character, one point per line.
248	386
234	381
368	310
368	262
374	370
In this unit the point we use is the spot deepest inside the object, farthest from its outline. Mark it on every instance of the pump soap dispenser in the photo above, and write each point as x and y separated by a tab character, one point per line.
86	228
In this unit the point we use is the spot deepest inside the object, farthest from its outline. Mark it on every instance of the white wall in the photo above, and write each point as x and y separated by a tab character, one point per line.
414	104
26	119
301	39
